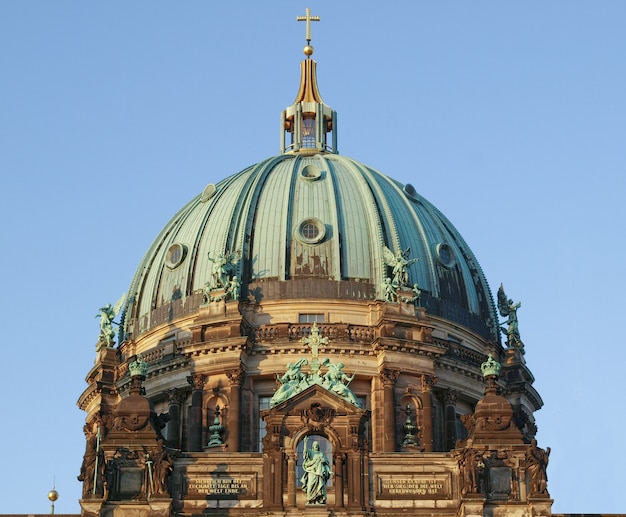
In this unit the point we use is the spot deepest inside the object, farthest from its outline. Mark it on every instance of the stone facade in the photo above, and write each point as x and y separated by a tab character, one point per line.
221	366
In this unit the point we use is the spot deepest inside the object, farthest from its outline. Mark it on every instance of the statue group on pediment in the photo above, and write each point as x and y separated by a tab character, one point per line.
294	381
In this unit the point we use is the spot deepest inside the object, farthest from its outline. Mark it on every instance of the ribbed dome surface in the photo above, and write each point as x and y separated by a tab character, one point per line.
309	226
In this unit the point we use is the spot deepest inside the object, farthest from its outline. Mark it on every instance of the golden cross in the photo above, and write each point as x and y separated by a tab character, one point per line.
308	19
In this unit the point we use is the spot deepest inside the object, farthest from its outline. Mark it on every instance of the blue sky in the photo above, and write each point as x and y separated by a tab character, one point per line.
509	116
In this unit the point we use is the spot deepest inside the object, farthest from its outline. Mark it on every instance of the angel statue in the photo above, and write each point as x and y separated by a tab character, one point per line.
107	315
399	262
224	267
508	309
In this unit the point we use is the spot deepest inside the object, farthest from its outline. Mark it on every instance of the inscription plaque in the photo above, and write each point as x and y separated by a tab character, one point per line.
223	486
413	487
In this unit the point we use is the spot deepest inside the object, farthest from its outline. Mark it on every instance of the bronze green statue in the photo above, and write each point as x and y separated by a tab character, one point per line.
336	380
508	309
107	314
292	381
317	472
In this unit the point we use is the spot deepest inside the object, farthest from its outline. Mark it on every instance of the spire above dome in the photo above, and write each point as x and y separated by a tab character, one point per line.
308	126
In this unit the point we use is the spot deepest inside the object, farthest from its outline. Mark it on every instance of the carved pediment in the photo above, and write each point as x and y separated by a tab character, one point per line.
317	394
314	410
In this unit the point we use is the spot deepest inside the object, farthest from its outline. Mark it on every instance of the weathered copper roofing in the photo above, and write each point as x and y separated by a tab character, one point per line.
311	226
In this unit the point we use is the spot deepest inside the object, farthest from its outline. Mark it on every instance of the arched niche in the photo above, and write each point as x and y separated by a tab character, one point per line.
409	411
315	412
211	405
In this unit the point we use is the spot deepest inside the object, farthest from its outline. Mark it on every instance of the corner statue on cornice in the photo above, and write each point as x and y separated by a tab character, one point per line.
508	309
107	315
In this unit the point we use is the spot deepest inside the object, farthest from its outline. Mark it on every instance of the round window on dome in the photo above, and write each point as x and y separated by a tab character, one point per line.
410	191
445	255
175	255
208	192
311	173
311	231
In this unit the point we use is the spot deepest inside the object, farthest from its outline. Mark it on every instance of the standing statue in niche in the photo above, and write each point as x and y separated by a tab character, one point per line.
107	314
92	469
537	465
508	309
162	468
317	472
471	467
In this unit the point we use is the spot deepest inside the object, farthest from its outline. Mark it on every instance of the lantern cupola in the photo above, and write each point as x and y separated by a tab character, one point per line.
308	126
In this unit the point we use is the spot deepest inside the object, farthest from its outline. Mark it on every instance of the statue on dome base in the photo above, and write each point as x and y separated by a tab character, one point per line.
107	315
508	309
396	287
224	282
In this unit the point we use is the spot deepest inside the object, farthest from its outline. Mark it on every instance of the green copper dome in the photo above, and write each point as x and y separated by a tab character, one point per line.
309	226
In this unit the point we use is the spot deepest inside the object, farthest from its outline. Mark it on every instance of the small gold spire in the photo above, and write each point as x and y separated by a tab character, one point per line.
308	50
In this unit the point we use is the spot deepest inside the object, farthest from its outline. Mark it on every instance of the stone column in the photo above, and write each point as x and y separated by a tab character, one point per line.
428	381
174	398
236	378
338	466
195	416
291	480
389	378
450	399
355	469
273	480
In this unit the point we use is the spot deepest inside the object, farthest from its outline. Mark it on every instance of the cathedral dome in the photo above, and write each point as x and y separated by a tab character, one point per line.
251	301
310	225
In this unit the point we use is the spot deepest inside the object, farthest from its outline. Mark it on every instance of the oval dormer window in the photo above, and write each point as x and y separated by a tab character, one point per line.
311	231
175	255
